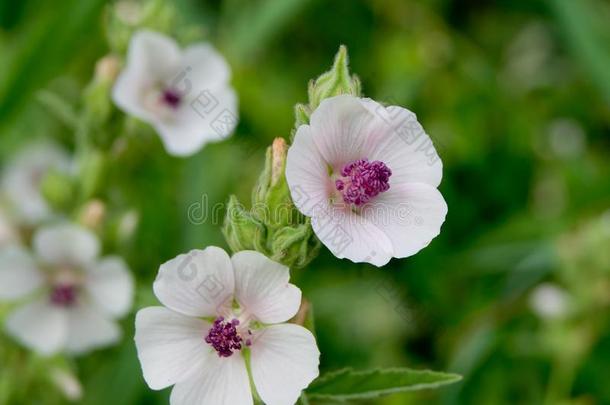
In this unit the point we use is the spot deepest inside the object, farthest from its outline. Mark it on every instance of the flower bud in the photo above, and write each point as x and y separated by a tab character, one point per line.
271	194
295	246
93	213
273	226
97	94
127	225
67	383
107	69
58	189
92	170
241	230
332	83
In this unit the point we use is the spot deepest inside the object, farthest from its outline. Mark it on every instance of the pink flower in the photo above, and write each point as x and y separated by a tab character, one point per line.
73	297
367	176
183	93
218	309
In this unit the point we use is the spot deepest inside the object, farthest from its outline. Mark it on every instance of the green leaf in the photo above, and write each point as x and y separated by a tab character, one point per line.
348	384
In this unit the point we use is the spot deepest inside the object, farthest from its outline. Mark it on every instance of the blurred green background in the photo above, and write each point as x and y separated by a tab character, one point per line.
515	95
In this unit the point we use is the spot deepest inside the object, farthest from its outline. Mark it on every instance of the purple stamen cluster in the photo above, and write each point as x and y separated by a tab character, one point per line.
224	338
63	295
362	180
171	98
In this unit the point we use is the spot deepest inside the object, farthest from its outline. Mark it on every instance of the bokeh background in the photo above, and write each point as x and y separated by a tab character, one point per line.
514	294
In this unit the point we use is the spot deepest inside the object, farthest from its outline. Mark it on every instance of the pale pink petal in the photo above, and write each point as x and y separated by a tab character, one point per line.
307	173
410	215
210	116
19	274
262	288
89	328
224	381
400	141
284	361
39	326
205	69
342	129
110	284
66	244
349	235
170	346
152	60
200	283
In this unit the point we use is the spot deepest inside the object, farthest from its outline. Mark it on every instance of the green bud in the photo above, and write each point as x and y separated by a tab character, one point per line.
273	226
58	189
97	95
271	197
302	114
332	83
92	169
295	246
241	230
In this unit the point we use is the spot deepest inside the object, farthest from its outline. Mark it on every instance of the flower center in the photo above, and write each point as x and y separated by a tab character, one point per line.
362	180
63	295
225	337
171	98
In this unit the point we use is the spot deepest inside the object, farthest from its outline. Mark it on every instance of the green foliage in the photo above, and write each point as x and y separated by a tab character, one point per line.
347	384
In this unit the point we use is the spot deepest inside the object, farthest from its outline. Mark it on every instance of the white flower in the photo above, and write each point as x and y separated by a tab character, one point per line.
367	176
74	296
218	308
184	94
23	176
549	301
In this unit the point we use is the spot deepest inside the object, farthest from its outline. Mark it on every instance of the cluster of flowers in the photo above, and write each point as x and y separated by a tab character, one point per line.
224	333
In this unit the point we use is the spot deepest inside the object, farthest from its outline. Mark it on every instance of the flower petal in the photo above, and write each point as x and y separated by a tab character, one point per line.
262	287
155	54
211	116
39	326
342	129
284	361
352	236
66	244
224	381
205	68
410	215
401	143
170	346
110	284
19	274
89	328
200	283
307	173
152	58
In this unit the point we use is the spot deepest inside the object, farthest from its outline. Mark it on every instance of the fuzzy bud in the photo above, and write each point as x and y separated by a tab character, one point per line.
335	82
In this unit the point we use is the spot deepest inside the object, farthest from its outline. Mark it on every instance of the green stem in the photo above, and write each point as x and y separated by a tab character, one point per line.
303	400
